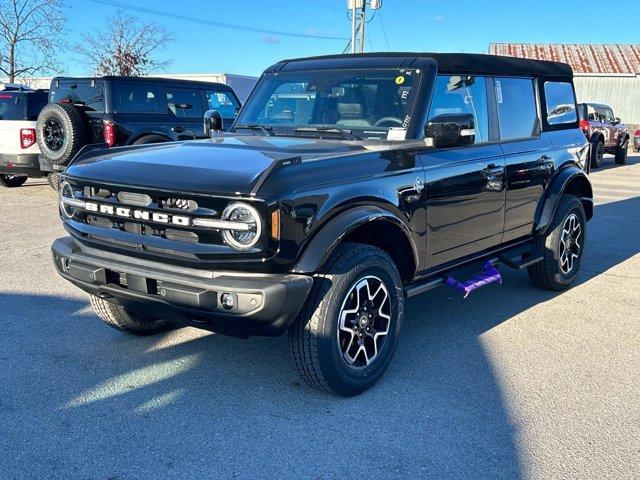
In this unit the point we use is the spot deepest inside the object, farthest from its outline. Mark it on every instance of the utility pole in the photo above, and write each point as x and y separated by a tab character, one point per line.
358	9
354	28
363	18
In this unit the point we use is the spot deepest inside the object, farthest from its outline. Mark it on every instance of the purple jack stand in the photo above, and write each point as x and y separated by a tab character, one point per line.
489	275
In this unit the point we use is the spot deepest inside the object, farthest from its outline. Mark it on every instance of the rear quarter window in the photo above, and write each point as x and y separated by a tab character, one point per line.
560	103
12	106
138	98
89	94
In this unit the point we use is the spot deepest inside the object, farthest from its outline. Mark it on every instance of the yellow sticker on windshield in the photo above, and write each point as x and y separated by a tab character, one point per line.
399	80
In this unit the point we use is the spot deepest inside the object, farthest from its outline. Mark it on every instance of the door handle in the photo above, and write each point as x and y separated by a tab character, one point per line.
493	168
178	129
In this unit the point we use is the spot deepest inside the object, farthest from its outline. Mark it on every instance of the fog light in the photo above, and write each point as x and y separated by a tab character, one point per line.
228	301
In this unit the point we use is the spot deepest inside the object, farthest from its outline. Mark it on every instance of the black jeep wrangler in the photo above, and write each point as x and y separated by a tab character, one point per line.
125	111
347	184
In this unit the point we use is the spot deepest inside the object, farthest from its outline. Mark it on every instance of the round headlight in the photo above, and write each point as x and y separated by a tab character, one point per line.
66	191
245	238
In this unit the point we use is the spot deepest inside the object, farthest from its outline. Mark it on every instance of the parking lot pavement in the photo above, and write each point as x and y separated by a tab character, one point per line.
513	382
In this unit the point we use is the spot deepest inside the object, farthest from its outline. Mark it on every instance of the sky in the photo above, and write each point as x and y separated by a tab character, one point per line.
410	25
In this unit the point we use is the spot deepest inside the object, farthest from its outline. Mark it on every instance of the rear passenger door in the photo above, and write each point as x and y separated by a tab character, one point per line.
465	188
223	102
528	154
185	112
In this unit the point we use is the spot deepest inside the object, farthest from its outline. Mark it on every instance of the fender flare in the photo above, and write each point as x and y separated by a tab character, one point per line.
564	179
330	235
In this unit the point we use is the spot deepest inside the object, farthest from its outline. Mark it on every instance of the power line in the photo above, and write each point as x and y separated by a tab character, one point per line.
384	30
186	18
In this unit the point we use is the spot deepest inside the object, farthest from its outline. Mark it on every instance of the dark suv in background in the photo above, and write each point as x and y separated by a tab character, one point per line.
120	111
605	132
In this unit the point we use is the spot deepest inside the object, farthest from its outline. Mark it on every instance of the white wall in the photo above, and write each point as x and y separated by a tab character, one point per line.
621	92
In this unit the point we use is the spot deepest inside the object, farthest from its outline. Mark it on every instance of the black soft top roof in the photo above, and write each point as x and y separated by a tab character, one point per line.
477	63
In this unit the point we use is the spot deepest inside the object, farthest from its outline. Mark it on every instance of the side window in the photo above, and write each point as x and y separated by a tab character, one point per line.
223	102
462	95
184	102
561	103
610	116
131	97
517	111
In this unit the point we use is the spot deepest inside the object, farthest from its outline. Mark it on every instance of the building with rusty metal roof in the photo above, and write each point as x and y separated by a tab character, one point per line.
607	74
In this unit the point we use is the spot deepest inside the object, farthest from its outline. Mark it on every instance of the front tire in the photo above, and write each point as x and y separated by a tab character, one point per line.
562	247
126	320
345	336
12	181
621	154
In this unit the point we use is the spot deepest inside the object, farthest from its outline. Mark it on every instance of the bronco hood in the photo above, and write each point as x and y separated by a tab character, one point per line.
228	164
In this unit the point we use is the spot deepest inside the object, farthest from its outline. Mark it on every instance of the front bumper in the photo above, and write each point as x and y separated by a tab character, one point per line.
20	164
264	304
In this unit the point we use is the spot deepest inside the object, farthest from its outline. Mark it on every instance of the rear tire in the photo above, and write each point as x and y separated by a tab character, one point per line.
562	256
343	340
597	153
125	320
61	132
12	181
621	154
53	179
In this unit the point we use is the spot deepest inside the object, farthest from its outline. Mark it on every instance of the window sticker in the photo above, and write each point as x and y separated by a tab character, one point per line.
400	79
498	91
397	134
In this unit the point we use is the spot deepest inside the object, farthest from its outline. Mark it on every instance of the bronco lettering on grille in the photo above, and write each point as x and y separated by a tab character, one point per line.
136	214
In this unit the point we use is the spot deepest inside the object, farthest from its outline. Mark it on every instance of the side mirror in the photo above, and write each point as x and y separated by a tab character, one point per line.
451	130
212	122
616	121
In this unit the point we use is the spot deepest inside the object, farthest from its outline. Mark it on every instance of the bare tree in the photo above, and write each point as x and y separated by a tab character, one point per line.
30	33
127	47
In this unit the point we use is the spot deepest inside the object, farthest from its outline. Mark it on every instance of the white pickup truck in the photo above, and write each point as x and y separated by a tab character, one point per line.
19	108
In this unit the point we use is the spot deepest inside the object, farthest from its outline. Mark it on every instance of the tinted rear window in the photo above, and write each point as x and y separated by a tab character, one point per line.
12	106
86	93
35	103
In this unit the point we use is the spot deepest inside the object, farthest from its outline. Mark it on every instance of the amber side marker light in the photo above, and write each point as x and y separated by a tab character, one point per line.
275	224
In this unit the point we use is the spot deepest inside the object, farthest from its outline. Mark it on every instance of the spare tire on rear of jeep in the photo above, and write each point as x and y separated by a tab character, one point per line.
62	132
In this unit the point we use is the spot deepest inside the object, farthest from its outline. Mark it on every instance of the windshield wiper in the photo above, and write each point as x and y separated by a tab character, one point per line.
348	134
266	131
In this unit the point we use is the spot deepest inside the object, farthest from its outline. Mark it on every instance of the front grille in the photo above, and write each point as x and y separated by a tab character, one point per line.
179	204
120	201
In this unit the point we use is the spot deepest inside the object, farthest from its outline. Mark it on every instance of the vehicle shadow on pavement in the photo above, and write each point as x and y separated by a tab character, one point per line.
608	162
78	399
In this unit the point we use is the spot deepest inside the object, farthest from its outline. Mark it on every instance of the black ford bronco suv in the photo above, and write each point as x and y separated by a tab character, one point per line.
119	111
347	184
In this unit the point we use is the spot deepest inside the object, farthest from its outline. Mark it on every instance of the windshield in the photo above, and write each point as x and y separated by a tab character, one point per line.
365	103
